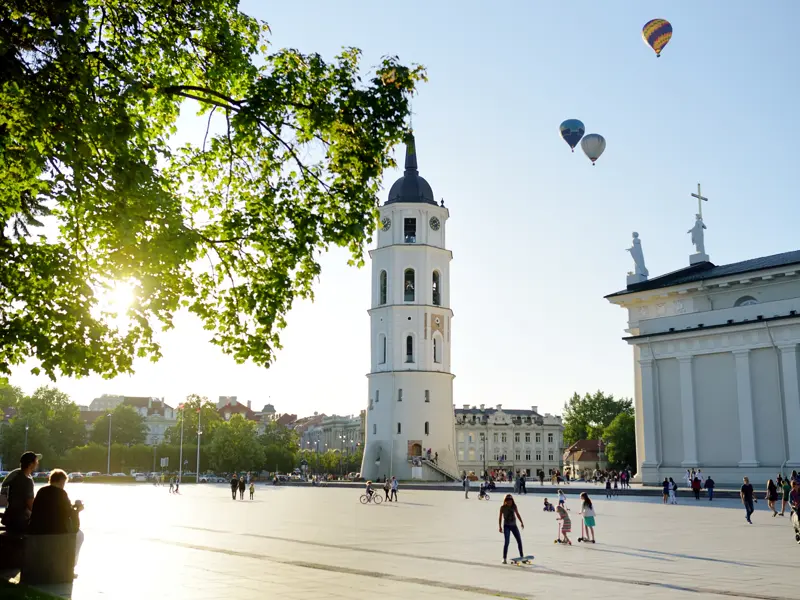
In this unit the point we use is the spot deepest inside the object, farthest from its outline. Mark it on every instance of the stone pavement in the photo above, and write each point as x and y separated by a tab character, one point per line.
321	543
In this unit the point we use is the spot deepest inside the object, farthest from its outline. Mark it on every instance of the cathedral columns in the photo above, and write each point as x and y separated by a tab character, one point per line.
651	458
791	395
745	400
687	410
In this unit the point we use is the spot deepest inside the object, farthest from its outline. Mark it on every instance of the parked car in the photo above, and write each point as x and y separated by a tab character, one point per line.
75	477
92	473
140	477
120	475
211	478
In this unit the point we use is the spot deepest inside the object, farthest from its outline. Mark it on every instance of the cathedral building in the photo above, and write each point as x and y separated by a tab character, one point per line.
715	354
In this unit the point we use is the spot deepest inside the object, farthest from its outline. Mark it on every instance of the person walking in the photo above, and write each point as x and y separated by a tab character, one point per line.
746	494
665	490
673	489
608	488
522	487
252	489
786	490
171	485
709	485
242	486
772	496
386	489
696	487
507	525
234	485
393	495
466	487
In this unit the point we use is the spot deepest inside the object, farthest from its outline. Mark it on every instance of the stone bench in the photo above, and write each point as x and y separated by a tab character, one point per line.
39	565
12	547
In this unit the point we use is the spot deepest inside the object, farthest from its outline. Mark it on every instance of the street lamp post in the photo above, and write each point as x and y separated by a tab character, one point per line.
180	460
199	433
108	464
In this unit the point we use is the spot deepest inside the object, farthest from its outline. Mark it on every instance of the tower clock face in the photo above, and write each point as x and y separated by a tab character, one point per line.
435	223
386	223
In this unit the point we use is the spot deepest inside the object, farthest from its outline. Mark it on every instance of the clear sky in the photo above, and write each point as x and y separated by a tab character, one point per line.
538	234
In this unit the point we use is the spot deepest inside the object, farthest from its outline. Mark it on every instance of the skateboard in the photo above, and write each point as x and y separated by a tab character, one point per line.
522	560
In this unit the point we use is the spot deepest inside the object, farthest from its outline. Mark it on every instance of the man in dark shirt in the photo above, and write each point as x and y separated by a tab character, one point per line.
709	485
17	487
746	494
54	514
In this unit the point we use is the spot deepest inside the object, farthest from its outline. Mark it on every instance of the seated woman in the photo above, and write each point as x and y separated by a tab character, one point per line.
54	514
548	507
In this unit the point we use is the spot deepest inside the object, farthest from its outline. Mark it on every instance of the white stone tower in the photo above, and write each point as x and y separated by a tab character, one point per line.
410	385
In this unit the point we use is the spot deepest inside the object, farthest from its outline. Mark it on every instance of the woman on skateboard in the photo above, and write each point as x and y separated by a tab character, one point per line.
507	524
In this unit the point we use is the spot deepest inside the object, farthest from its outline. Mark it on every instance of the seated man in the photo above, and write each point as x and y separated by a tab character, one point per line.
54	514
18	490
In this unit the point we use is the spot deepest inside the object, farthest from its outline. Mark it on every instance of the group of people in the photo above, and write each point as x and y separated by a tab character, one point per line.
240	484
389	489
49	512
789	489
509	515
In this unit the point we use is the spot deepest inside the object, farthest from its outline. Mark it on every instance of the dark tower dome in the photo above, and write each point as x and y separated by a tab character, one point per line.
411	187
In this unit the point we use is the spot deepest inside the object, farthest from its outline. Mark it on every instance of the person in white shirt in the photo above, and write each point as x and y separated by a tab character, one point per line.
587	511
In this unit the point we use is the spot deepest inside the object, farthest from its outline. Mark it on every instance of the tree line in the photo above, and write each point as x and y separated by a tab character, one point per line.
601	416
51	424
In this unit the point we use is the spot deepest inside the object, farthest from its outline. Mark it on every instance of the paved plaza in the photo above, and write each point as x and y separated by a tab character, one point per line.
310	543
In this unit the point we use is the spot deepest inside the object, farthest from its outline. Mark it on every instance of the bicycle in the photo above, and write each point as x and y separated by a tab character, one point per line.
376	498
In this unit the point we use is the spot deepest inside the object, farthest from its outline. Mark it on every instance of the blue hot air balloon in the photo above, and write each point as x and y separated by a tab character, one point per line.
572	131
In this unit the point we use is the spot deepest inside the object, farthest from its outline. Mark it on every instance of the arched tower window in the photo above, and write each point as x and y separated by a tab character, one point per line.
382	349
410	349
427	428
436	289
408	285
384	287
437	350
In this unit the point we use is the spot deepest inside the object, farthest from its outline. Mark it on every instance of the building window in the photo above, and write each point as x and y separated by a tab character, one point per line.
495	438
377	396
408	285
399	428
528	437
427	395
746	301
400	394
382	349
461	437
538	438
437	352
374	431
427	428
549	438
550	456
409	349
517	456
472	454
538	456
460	454
483	436
435	289
503	438
370	403
384	287
516	438
528	456
410	230
469	436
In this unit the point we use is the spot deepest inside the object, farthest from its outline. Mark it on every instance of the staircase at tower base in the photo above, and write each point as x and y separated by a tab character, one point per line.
431	468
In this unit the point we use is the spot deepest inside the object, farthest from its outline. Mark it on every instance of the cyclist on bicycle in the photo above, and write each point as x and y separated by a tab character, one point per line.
369	490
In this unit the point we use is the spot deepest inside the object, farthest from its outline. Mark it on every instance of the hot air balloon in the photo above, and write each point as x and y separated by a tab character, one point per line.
572	131
656	34
593	146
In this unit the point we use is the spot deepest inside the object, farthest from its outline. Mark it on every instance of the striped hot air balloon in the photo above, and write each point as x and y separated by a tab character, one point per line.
656	34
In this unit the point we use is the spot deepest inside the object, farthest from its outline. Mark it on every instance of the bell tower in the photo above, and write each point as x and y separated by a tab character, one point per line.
410	404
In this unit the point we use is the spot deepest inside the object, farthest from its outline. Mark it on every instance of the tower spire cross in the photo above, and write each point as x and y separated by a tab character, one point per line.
700	200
